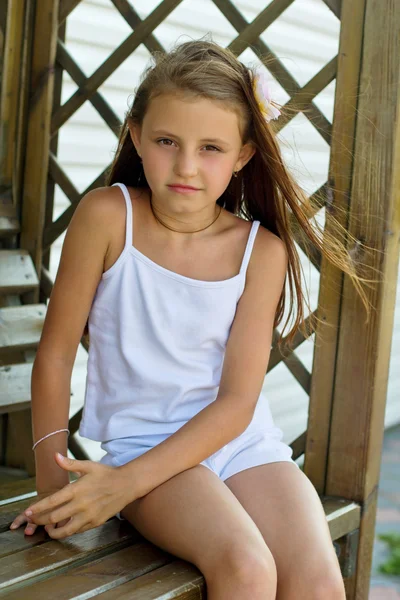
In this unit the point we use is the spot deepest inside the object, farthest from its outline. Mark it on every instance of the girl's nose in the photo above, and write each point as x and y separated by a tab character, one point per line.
185	166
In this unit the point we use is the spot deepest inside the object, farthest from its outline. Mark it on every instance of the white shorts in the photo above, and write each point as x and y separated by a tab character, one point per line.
250	449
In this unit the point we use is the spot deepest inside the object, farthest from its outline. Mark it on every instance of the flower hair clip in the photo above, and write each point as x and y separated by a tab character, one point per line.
262	95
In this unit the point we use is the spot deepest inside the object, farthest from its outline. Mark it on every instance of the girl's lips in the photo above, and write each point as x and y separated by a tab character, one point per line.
180	188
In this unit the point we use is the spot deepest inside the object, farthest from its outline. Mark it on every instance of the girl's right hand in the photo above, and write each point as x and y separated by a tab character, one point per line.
31	527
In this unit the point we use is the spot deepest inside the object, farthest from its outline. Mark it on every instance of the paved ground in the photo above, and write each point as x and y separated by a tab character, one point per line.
385	587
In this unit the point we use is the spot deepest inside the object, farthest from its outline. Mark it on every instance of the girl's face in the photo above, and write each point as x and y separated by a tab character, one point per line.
192	142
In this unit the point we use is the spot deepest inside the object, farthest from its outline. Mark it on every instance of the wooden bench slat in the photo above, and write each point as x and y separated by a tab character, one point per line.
97	576
176	580
13	490
37	562
342	515
21	494
17	272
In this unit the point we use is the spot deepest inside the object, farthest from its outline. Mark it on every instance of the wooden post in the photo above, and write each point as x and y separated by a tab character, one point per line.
38	132
338	193
351	362
10	96
35	96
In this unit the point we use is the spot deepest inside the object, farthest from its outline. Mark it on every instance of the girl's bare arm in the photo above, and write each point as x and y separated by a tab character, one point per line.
81	266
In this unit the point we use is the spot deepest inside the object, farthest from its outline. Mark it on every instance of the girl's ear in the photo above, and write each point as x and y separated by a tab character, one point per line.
135	133
246	153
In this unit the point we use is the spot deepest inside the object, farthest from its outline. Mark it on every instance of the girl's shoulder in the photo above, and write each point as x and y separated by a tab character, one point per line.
234	231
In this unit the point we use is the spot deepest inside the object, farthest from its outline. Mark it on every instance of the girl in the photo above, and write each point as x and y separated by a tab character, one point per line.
179	265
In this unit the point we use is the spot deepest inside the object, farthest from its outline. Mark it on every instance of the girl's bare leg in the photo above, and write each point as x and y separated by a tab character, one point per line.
196	517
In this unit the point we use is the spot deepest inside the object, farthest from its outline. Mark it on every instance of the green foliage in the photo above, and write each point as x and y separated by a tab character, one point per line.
392	565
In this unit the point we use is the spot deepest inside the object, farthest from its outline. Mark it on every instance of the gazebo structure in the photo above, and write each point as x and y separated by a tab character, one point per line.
348	383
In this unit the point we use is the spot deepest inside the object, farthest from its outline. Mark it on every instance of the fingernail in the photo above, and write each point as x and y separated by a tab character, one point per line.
28	513
13	525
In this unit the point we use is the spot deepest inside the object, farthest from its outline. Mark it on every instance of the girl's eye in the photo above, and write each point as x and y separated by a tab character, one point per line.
168	140
164	140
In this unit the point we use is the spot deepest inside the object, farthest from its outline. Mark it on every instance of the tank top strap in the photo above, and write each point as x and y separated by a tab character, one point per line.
128	202
249	246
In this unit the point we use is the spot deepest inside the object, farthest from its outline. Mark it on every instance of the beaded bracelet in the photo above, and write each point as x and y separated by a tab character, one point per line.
48	435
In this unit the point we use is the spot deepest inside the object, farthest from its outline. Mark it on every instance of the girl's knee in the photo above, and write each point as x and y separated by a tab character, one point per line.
327	584
249	565
329	587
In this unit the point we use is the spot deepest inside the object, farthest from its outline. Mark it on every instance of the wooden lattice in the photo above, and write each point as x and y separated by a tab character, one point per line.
301	98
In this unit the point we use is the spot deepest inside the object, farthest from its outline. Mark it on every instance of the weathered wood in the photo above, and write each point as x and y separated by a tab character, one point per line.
21	328
342	515
370	100
335	6
41	561
140	571
20	441
65	9
346	551
15	383
38	130
344	123
3	22
277	355
9	100
17	272
14	490
106	112
53	150
113	559
301	100
9	222
177	580
129	14
24	99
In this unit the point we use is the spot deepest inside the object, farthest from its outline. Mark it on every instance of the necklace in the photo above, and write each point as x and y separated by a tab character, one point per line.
220	209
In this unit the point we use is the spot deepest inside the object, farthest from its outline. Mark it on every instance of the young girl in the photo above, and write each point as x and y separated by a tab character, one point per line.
179	264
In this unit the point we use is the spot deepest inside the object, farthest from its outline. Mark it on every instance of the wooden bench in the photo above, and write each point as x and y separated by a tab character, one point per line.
114	559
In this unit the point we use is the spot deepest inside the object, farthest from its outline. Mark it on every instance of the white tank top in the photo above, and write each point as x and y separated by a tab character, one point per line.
157	344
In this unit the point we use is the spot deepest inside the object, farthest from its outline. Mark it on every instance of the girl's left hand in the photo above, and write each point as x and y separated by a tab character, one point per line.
90	501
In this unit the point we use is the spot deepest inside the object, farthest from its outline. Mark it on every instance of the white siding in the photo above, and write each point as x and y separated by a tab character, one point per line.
304	38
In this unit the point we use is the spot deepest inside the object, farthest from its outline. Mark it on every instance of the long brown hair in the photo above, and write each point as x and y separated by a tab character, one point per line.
264	189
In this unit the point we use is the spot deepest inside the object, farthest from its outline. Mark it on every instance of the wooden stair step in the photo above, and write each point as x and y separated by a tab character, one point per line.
15	387
9	222
17	272
21	327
